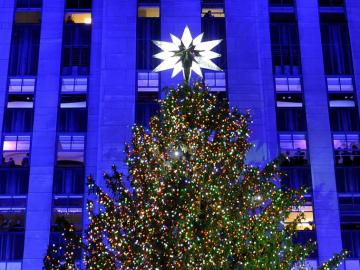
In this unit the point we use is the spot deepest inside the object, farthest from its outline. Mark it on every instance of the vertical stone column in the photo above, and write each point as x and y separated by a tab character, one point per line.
175	15
6	23
39	205
250	81
115	94
353	16
320	145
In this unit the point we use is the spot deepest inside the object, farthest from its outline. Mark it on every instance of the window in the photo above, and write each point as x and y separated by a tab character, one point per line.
14	182
70	150
69	208
148	29
21	85
69	181
78	4
28	17
216	81
18	120
346	147
331	3
294	148
28	3
340	84
72	114
80	17
297	177
73	85
351	239
11	246
76	49
148	81
281	2
290	112
148	11
146	107
307	223
348	179
285	45
336	44
24	52
16	151
343	113
214	27
12	220
288	84
20	101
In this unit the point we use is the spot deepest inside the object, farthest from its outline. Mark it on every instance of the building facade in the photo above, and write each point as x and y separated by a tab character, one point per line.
75	75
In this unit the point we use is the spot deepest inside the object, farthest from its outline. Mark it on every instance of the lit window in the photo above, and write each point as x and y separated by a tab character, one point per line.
16	151
341	100
68	207
307	222
216	81
149	12
20	101
148	82
74	85
347	149
288	84
210	12
340	84
20	85
289	101
73	101
80	17
294	148
71	150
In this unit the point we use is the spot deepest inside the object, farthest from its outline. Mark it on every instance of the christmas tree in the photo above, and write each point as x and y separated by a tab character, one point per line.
190	200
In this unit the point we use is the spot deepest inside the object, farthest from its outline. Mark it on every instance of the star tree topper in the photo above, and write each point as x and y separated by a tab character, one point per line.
187	55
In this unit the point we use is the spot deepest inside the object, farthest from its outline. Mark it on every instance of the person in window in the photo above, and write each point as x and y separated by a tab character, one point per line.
25	161
339	156
11	162
208	14
69	19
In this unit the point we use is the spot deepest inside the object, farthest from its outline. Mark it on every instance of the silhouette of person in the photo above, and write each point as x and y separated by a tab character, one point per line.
208	14
25	161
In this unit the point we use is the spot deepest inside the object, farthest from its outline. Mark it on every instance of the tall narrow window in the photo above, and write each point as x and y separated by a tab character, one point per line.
285	45
24	50
336	44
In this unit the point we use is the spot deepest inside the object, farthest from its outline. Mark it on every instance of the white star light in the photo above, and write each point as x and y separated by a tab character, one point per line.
187	55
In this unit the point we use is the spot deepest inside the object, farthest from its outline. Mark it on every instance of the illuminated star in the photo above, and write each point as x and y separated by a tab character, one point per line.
187	55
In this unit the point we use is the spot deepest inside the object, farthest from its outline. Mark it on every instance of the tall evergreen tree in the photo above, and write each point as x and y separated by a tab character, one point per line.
190	200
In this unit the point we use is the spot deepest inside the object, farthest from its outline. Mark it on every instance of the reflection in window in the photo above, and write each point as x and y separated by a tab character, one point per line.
12	220
294	148
351	239
70	150
68	207
28	3
16	151
288	84
340	84
347	149
297	177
